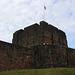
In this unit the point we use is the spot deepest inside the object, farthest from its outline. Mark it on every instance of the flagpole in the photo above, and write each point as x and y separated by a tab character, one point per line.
44	14
44	11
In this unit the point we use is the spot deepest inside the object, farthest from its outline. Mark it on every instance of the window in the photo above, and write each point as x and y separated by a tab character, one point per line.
52	38
59	40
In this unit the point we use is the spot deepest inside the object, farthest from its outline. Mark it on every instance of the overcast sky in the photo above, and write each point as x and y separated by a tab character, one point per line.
17	14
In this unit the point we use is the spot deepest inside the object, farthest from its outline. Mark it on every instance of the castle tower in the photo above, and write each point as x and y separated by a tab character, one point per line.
39	34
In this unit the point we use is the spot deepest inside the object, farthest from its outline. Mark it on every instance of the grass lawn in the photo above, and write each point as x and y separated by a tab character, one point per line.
51	71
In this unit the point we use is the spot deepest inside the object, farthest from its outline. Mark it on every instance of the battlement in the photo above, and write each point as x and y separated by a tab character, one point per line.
39	34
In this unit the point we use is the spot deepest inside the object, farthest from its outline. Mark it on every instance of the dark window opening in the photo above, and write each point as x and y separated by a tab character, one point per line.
42	33
59	40
33	41
52	39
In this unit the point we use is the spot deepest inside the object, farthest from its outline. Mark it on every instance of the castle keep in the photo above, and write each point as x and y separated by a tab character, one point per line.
37	46
40	34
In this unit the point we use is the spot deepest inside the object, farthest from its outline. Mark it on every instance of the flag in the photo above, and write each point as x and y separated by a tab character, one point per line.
45	7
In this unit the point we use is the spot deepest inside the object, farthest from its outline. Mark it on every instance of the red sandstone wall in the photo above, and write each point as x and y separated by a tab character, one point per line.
51	56
54	56
53	35
71	57
13	57
39	34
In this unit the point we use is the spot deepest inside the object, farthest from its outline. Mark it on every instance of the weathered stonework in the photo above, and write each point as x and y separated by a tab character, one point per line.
14	57
45	47
39	34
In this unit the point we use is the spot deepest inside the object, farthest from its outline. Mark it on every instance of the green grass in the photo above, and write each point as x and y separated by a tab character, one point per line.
52	71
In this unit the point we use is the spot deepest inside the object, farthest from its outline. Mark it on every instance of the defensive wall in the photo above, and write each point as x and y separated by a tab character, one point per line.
13	57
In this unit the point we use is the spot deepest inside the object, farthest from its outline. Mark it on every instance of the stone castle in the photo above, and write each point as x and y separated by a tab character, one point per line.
37	46
40	34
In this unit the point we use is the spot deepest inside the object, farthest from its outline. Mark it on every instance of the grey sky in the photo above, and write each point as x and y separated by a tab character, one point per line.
17	14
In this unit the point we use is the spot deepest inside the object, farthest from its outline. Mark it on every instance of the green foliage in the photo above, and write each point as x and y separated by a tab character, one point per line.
52	71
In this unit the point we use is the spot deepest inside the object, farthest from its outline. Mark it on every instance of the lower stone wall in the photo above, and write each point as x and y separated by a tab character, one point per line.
51	56
14	57
71	57
54	56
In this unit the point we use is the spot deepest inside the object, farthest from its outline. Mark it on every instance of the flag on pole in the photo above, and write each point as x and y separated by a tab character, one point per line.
44	7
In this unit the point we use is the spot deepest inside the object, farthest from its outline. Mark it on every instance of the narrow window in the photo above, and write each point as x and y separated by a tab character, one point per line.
52	39
59	40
